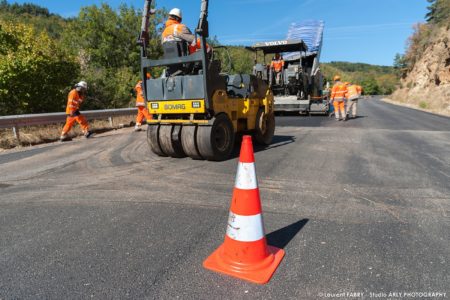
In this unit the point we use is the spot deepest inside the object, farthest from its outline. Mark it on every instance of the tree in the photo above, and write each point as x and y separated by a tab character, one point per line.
370	86
105	41
35	72
400	65
438	12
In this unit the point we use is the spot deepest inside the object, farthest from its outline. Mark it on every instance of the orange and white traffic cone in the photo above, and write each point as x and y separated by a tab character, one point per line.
245	253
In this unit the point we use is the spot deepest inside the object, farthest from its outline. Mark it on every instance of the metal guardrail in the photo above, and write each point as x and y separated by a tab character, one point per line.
17	121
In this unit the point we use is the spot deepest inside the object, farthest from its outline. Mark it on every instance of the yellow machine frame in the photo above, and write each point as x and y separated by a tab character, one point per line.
235	108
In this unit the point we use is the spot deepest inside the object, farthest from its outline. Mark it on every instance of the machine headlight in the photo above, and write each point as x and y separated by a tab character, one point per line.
196	104
155	105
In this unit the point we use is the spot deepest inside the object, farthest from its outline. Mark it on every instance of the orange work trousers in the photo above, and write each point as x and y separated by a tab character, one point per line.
70	121
339	109
142	113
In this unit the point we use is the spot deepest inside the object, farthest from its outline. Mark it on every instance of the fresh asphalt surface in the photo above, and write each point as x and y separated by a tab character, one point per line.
358	206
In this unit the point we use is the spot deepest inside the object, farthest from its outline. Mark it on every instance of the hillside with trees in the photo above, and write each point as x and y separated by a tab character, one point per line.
375	79
425	66
42	55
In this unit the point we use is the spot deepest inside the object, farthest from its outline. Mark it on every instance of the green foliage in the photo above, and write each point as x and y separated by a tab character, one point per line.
26	8
360	67
418	42
424	34
379	79
374	79
105	42
423	104
40	18
370	86
34	71
99	46
438	12
400	65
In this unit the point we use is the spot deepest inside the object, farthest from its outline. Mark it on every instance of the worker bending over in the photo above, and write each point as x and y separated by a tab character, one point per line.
74	100
277	66
338	93
352	96
140	104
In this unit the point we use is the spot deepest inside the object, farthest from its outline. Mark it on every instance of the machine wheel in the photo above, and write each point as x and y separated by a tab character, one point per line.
217	141
189	143
153	139
170	140
265	127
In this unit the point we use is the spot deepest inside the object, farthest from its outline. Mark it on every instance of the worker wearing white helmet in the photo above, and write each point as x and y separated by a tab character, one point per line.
175	30
76	96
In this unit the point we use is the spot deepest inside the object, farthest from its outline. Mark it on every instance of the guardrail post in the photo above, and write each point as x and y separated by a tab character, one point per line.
111	121
16	132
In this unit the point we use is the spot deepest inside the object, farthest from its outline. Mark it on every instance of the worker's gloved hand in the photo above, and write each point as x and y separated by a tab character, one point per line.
75	113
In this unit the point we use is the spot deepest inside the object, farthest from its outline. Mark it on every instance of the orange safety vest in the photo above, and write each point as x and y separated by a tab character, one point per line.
359	88
194	47
140	101
338	91
170	33
352	92
74	101
277	65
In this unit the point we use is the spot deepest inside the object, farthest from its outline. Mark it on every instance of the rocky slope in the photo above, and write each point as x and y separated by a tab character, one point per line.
427	85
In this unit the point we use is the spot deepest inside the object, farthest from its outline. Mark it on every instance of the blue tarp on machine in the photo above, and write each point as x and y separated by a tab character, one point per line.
311	32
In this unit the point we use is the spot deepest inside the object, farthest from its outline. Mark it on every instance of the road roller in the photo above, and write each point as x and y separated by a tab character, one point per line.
198	109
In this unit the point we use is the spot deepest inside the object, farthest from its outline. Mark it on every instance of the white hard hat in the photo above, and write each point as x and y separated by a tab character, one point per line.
176	12
82	84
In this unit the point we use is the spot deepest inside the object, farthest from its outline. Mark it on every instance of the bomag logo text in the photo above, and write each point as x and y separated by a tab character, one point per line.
174	106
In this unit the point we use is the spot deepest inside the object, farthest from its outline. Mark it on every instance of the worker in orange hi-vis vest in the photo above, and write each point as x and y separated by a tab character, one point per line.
196	45
140	104
352	96
74	100
176	31
338	93
277	66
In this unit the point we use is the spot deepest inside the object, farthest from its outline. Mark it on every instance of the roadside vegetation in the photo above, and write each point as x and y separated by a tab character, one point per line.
376	80
43	54
424	35
36	135
424	67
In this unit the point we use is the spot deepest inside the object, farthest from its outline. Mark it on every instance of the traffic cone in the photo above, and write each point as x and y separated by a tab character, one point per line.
245	253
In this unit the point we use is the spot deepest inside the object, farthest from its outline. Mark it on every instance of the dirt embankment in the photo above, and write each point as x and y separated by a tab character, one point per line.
427	85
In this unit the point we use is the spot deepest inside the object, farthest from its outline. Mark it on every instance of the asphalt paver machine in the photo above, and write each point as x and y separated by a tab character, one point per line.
301	86
198	110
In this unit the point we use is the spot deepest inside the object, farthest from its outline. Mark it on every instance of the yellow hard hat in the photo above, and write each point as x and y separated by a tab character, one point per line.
336	78
346	83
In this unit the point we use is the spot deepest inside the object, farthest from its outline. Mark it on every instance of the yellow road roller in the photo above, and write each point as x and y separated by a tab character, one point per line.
197	108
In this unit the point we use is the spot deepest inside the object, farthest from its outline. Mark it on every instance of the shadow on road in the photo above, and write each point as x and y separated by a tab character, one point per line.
277	141
280	238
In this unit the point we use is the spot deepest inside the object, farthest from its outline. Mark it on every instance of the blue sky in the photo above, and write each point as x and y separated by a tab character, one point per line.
369	31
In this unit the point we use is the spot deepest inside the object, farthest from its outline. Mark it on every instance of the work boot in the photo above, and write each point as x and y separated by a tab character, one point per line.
64	138
88	134
137	128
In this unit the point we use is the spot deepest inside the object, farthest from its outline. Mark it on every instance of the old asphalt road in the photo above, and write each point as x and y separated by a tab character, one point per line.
360	206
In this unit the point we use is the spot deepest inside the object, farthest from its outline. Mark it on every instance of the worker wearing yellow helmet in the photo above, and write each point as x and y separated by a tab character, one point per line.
338	93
